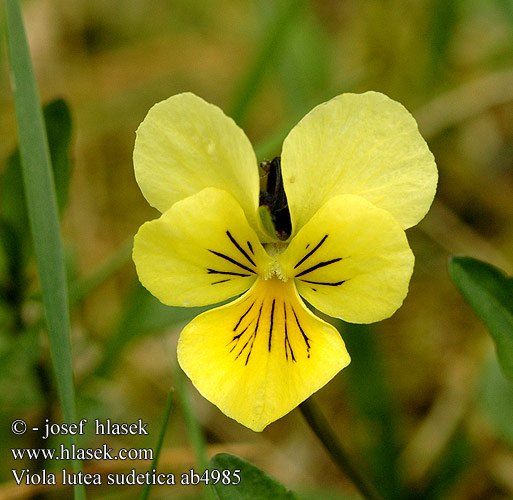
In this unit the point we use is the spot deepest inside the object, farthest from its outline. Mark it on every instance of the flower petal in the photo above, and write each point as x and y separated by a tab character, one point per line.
201	251
262	355
185	145
364	144
351	260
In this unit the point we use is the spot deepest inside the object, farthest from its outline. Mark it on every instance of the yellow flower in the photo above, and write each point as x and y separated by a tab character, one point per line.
356	174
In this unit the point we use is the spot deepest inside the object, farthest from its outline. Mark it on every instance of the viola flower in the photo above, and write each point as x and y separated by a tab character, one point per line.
328	227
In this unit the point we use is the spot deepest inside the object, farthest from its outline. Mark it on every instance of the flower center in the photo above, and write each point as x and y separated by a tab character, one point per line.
273	269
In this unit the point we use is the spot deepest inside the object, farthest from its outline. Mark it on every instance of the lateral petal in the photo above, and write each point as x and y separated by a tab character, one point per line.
185	145
260	356
364	144
351	260
200	251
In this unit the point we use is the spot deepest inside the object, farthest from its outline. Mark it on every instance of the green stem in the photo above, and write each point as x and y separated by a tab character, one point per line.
327	436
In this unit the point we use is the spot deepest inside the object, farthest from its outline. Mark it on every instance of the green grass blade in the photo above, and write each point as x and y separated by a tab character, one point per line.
146	490
42	209
263	59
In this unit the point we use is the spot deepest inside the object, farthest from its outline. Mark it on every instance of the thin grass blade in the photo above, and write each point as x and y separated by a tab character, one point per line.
42	210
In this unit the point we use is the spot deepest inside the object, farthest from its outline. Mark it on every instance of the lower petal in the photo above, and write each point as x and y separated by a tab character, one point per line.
260	356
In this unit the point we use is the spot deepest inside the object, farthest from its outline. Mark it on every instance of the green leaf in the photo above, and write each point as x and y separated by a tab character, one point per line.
13	206
42	211
57	119
490	293
254	483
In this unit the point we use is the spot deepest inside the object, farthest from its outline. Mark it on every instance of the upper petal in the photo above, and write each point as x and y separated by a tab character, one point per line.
201	251
351	260
260	356
364	144
185	145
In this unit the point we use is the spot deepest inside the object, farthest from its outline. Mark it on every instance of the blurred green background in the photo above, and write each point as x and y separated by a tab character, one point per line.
423	405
